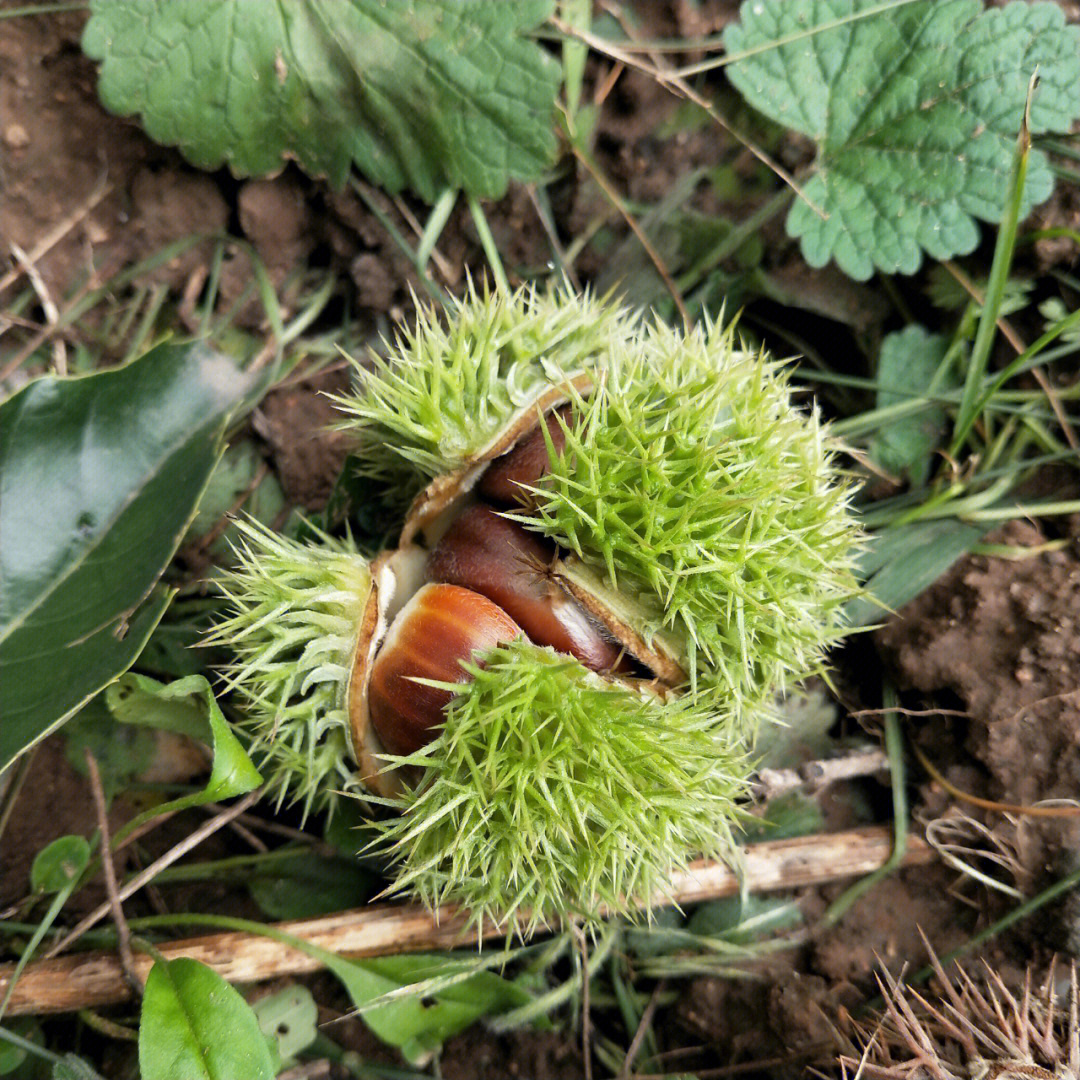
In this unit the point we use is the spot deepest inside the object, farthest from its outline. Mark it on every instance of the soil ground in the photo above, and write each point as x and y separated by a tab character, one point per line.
995	644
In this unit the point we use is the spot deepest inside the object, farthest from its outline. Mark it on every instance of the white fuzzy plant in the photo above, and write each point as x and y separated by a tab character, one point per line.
698	512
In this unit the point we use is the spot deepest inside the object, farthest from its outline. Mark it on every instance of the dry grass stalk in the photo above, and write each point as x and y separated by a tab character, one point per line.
93	979
975	1029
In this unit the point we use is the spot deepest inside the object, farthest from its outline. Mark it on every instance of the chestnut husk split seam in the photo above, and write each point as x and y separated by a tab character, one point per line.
657	542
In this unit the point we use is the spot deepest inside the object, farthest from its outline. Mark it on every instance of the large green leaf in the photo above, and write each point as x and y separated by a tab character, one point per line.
195	1026
914	108
99	478
425	94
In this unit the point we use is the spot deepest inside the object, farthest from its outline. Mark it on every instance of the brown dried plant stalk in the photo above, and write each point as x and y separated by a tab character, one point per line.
976	1028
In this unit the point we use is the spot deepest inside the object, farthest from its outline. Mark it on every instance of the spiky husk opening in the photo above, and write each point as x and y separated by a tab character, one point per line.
295	611
691	479
449	385
552	794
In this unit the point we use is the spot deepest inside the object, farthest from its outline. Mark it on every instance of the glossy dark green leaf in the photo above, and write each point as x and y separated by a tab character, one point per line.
99	478
195	1026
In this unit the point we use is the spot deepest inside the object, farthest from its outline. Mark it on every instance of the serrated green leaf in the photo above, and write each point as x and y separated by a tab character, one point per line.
914	109
99	476
420	93
195	1026
907	367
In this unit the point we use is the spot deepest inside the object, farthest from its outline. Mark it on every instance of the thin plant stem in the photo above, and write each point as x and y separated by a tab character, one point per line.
1067	883
9	791
894	745
545	1003
436	222
192	840
367	197
30	1047
789	39
487	242
735	239
995	290
681	88
635	227
123	934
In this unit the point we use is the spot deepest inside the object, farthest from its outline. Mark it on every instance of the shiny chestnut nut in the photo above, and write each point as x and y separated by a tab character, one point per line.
509	565
505	481
440	627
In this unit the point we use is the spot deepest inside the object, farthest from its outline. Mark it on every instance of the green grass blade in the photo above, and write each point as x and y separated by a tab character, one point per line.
995	290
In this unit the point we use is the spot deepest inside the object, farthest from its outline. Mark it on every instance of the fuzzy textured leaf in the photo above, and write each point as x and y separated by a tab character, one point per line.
914	110
99	478
422	94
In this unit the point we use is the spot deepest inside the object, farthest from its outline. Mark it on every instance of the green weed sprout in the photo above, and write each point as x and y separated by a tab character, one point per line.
672	514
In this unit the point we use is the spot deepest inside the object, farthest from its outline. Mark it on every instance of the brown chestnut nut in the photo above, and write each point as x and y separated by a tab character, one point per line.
440	626
509	565
503	480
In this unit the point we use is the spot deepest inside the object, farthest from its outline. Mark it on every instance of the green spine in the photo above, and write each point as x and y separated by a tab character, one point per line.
295	611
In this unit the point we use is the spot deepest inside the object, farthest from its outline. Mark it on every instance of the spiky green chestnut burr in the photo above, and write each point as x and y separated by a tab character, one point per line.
691	482
695	519
456	388
297	611
552	792
704	511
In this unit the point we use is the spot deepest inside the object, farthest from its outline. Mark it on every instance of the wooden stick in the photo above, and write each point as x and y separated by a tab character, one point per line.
88	980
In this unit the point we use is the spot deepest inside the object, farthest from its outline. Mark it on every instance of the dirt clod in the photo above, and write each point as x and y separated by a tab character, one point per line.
1004	636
